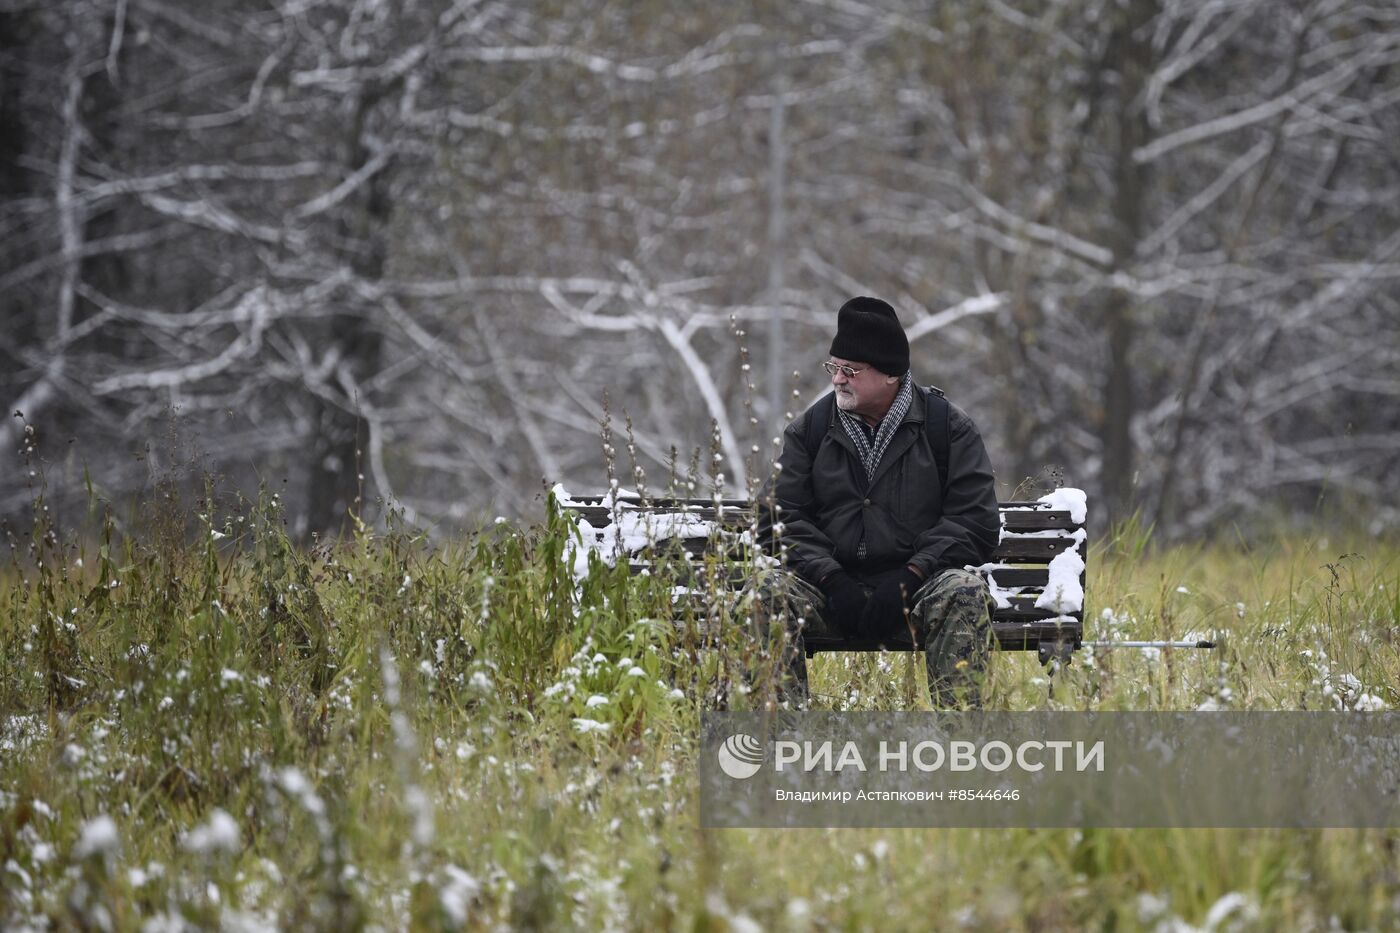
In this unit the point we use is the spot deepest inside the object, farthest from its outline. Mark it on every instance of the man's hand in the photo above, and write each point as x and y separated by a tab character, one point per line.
845	601
884	614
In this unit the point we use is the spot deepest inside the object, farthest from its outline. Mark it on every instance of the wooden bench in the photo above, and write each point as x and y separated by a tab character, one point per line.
1035	534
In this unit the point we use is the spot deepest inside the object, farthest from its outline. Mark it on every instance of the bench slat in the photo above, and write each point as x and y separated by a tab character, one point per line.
1022	576
1020	614
669	502
1016	522
1030	550
1011	551
1037	521
1017	576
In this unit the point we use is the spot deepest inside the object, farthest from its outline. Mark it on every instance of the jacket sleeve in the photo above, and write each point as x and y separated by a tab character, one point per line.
807	551
970	526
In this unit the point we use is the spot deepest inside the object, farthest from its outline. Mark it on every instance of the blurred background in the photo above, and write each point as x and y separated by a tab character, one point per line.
403	251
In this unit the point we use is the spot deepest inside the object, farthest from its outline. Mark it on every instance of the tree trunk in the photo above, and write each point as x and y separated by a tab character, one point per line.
1132	59
339	461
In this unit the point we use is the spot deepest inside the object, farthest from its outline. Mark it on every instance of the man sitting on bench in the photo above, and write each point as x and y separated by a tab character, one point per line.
882	498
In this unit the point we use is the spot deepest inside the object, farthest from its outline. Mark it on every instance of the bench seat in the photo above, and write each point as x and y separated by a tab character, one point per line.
1043	545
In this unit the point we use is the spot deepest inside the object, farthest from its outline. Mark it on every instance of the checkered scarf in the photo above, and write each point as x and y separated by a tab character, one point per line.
870	454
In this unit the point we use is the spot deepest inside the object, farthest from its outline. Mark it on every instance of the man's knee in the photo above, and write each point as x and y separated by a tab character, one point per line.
963	581
956	593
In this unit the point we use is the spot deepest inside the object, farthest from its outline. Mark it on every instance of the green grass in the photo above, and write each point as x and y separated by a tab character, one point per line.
402	736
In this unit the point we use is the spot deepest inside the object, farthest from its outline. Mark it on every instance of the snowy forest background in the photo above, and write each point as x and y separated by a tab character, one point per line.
1153	245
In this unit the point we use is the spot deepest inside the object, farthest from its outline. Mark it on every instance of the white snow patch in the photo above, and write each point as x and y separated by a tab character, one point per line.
98	836
1231	903
1151	906
1000	595
1063	593
456	892
576	556
15	868
219	834
1070	500
631	531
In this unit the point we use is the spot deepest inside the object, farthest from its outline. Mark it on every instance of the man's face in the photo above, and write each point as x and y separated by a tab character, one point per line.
868	393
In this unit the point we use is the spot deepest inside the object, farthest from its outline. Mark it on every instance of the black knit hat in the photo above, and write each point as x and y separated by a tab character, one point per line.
867	331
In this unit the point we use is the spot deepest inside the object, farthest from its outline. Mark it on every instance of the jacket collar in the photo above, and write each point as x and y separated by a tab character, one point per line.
918	407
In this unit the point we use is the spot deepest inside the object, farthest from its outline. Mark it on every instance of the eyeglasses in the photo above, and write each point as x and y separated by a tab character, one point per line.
834	368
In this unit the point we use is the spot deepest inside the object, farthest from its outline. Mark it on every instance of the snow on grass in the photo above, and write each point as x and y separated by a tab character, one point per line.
97	837
219	834
457	890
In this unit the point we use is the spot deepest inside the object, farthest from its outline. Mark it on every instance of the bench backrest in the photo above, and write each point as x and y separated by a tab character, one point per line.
1036	575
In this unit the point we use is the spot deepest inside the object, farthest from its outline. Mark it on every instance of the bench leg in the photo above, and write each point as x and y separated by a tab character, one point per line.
1057	651
1054	655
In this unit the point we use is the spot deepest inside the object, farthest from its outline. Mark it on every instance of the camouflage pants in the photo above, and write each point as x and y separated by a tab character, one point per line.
950	619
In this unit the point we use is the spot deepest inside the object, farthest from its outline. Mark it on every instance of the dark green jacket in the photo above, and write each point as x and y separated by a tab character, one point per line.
826	506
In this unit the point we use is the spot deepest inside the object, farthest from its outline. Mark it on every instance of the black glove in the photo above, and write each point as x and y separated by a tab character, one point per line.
884	614
845	601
